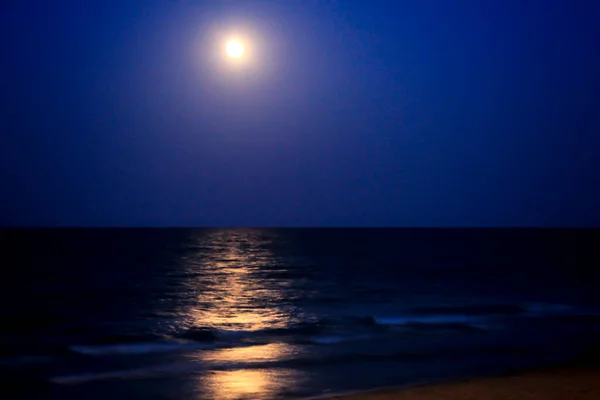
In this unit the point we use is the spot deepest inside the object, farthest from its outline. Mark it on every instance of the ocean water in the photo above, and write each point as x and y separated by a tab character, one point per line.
286	313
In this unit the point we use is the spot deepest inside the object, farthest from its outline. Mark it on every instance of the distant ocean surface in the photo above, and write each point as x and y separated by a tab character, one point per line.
286	313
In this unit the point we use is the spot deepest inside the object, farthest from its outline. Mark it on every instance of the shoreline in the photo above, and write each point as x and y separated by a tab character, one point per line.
573	383
578	379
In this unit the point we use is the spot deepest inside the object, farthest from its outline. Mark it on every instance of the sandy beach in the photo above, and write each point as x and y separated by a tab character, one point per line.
563	383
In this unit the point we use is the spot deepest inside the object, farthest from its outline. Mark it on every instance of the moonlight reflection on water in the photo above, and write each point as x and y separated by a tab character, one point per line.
234	293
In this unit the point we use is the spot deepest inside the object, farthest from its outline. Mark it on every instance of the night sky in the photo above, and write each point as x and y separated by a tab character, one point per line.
350	113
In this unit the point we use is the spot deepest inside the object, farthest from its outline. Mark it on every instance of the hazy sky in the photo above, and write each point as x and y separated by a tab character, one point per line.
348	113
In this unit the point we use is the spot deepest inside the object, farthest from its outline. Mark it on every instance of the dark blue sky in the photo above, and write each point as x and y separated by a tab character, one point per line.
355	112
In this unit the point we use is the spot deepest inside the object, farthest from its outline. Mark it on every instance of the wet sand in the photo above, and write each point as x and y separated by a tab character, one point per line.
573	383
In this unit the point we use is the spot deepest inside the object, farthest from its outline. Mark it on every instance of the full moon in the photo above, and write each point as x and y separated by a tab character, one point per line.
235	49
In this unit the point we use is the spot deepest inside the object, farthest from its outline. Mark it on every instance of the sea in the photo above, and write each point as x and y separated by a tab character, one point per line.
233	314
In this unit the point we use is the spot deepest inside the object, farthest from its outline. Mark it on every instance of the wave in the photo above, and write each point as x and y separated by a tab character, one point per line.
147	372
477	316
319	360
238	339
332	330
136	348
194	366
200	334
553	309
477	310
299	362
193	338
445	320
334	339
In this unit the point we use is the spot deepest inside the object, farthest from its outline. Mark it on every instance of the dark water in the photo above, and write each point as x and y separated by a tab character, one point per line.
286	313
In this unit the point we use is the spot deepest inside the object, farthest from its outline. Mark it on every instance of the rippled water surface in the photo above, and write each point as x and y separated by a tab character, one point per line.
286	313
